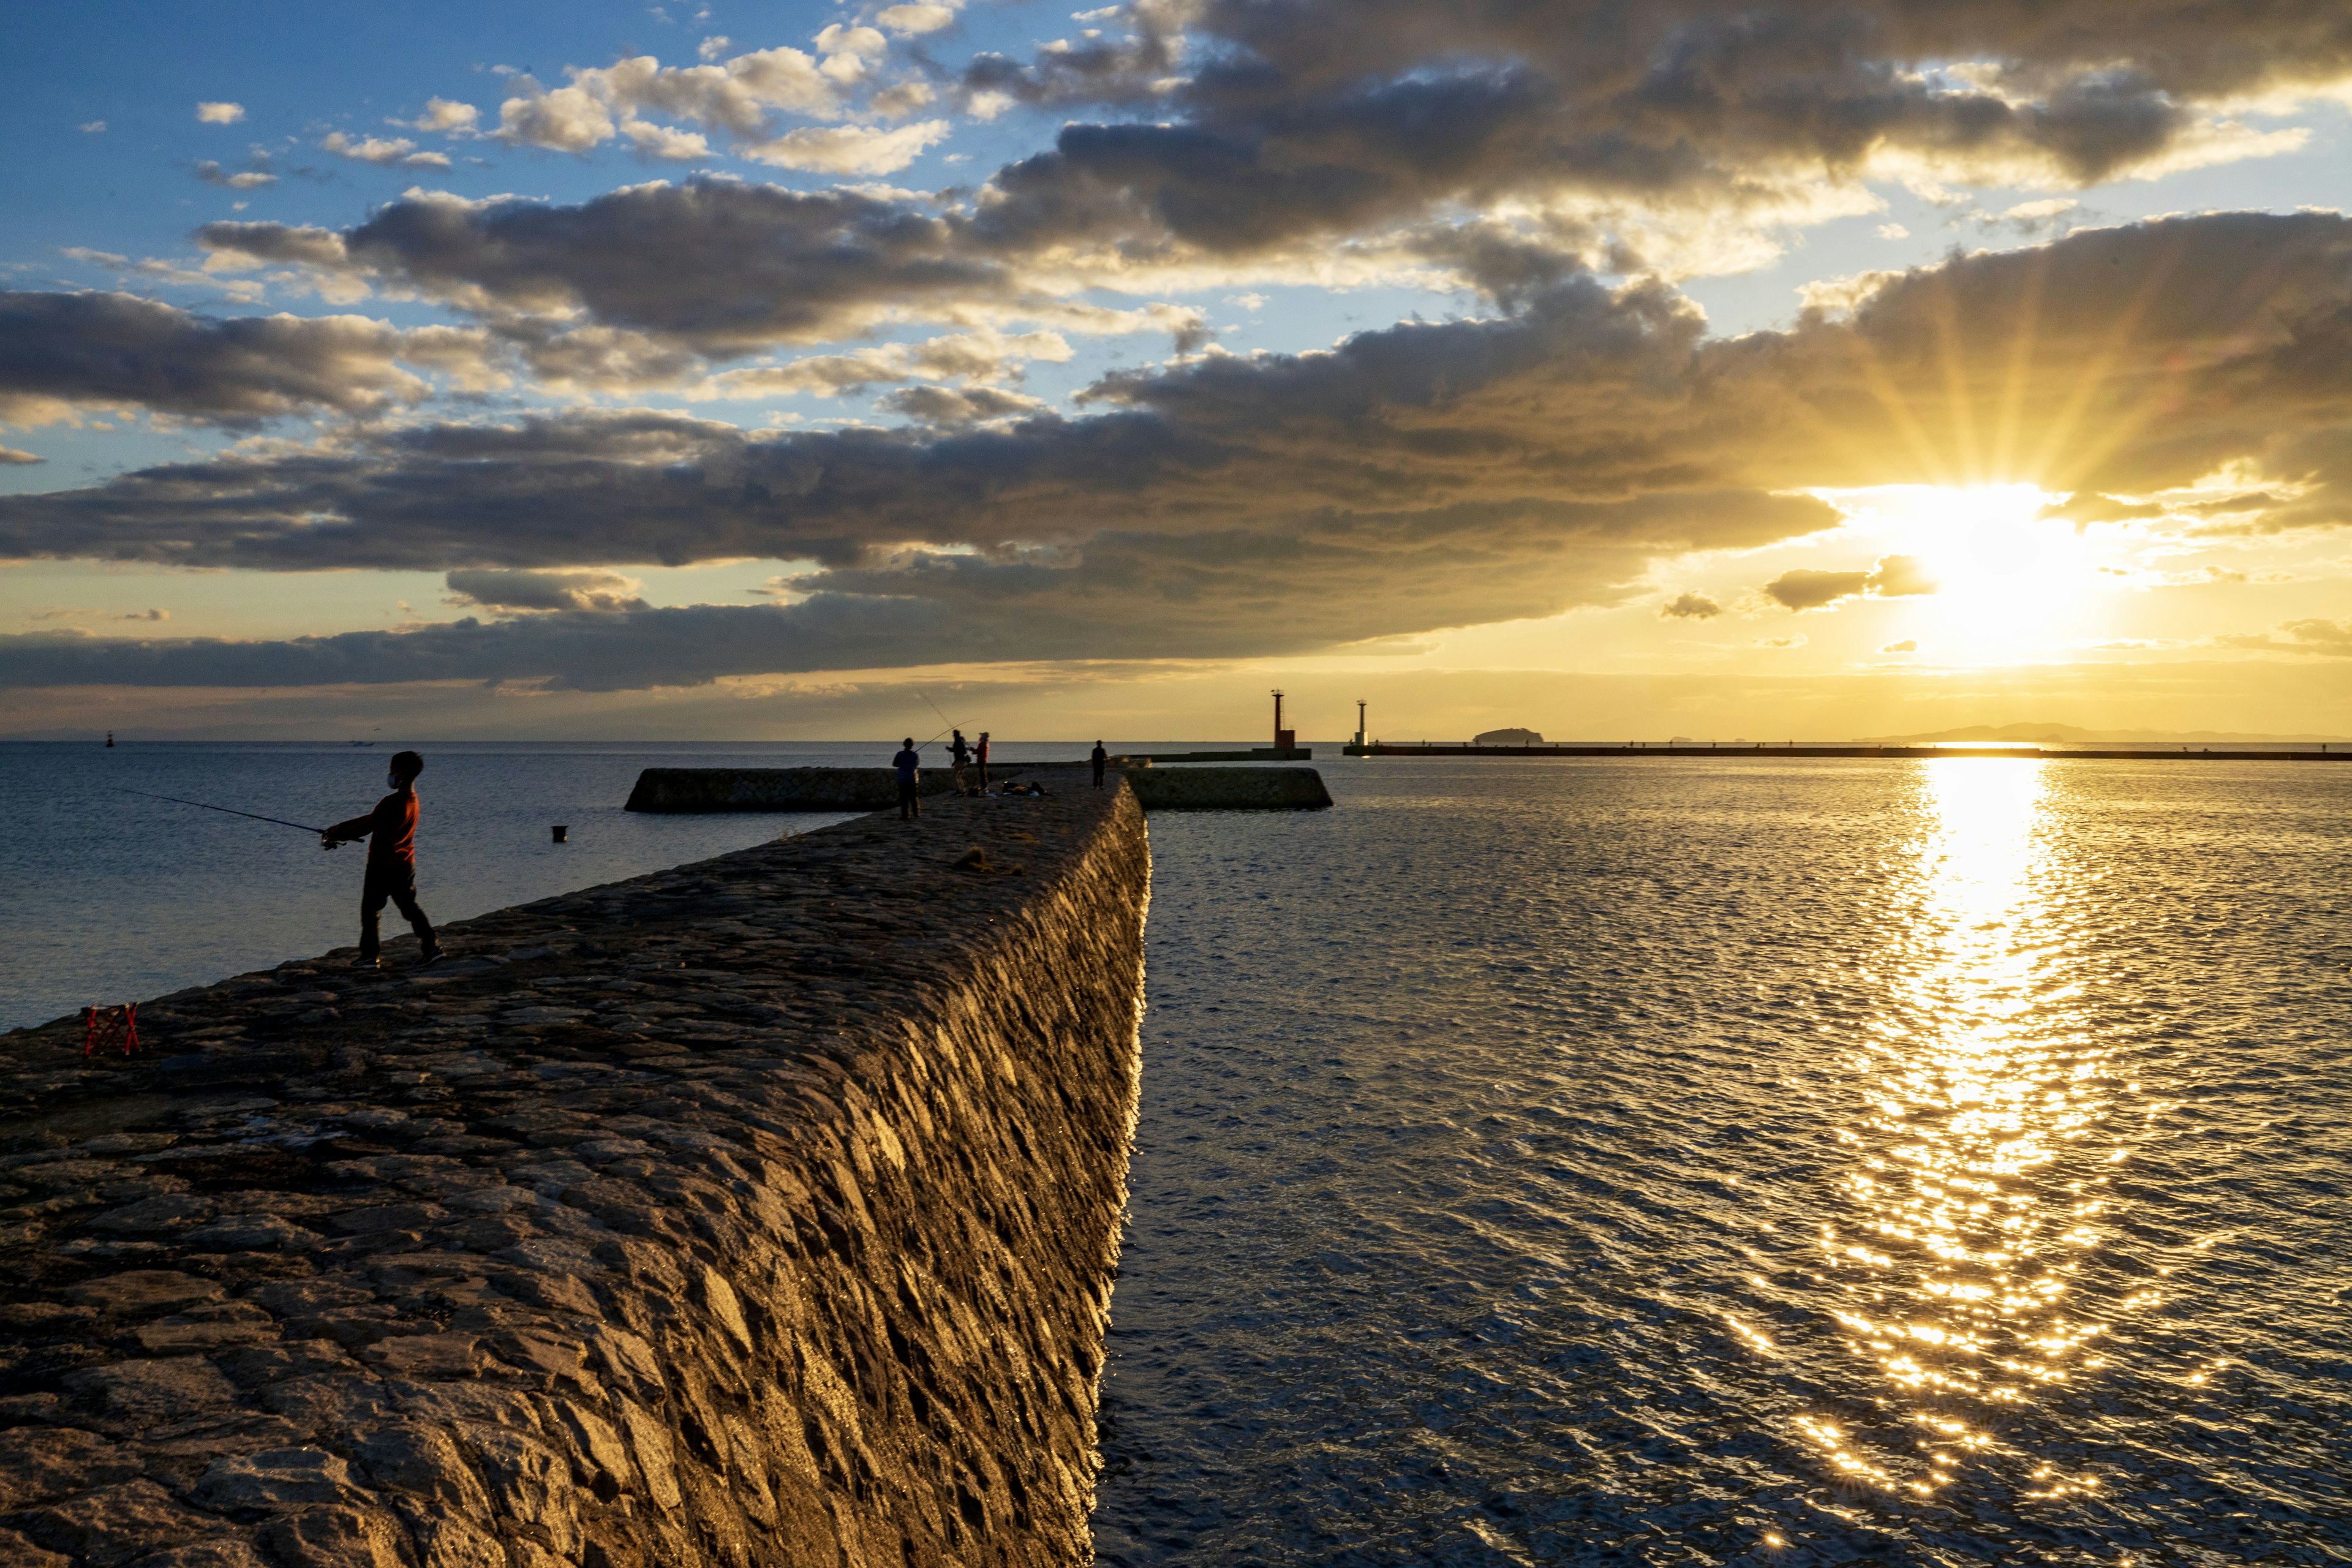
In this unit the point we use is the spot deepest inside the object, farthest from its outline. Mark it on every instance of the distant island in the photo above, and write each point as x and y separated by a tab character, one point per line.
2069	733
1507	738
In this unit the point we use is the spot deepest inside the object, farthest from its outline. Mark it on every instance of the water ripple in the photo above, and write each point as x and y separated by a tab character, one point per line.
1679	1162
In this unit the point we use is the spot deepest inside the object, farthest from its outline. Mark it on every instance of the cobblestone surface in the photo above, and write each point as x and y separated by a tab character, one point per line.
760	1211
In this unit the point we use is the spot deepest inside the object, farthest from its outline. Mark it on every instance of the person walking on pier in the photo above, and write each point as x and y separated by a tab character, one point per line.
982	753
1101	757
910	781
959	753
390	832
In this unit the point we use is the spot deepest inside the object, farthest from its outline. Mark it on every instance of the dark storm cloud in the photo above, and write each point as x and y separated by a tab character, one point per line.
717	266
1896	577
1269	131
1423	476
1314	116
603	592
1805	590
1689	607
1121	596
1582	399
68	350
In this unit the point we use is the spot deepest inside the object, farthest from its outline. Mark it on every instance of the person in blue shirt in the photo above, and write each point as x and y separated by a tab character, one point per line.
910	781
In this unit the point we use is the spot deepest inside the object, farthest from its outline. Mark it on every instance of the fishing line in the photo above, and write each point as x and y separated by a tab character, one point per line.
934	707
231	810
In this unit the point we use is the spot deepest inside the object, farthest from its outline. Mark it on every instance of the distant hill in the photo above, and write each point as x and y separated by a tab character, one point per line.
1507	738
2069	733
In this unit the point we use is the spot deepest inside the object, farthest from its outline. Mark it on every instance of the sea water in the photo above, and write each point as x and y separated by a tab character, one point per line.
1752	1163
107	895
1633	1160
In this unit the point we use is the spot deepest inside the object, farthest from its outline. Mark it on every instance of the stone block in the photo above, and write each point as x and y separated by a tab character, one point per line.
335	1538
423	1462
463	1277
150	1392
144	1290
41	1464
275	1478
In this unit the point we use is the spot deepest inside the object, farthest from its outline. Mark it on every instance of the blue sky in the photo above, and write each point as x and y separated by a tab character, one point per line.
1207	200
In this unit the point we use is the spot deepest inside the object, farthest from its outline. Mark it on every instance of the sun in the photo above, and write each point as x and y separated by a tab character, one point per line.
2010	582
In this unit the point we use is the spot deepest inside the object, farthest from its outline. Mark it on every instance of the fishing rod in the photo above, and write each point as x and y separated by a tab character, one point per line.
231	810
935	709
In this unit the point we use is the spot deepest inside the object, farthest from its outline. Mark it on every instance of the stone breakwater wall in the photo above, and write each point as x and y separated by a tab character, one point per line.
783	789
760	1211
1229	789
875	789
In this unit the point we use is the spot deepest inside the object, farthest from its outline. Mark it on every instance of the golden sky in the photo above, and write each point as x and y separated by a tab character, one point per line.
1735	373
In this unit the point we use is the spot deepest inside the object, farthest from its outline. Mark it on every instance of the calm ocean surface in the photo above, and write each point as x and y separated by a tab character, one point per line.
106	896
1598	1160
1747	1163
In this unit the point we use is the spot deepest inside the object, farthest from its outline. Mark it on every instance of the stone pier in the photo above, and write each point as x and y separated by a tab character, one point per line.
760	1211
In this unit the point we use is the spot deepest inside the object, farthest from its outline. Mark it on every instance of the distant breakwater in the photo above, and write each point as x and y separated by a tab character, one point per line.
759	1211
696	790
1733	749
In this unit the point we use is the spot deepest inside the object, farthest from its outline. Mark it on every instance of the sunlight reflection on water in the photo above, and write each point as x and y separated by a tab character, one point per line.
1767	1165
1989	1101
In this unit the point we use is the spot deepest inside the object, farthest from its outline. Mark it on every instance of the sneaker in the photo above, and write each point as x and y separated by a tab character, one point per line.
367	964
430	959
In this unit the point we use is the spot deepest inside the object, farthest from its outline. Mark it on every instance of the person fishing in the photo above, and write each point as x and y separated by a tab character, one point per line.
983	754
959	752
390	832
909	765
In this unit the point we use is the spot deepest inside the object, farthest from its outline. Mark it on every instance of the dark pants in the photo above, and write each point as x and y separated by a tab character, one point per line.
910	799
1098	772
396	880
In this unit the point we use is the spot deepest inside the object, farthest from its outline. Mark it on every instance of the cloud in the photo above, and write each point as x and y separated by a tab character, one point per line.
1908	645
601	592
11	455
2329	639
62	615
443	117
1423	476
1805	590
1896	576
849	149
916	19
92	128
64	353
972	405
210	174
665	141
977	357
741	98
1690	607
384	151
219	113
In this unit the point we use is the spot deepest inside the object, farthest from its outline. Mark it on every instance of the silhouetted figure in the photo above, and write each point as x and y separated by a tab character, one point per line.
982	752
1101	760
959	753
910	781
390	832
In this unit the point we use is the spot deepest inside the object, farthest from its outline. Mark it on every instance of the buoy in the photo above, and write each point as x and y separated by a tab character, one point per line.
559	833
